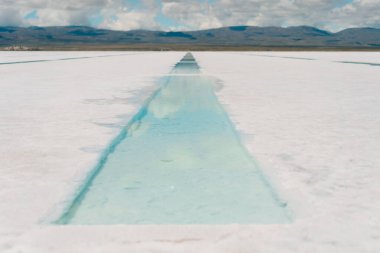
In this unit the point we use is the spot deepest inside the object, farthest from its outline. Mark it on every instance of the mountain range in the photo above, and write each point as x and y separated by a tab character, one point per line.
235	36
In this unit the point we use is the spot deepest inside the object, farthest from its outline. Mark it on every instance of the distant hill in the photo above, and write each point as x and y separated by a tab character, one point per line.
236	36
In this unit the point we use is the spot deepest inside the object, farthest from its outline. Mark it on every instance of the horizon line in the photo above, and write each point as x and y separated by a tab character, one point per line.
206	29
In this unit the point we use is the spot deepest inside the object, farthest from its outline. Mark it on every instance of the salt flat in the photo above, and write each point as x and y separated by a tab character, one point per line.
311	125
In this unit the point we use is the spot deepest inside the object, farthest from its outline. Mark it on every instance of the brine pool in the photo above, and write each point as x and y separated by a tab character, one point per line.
179	161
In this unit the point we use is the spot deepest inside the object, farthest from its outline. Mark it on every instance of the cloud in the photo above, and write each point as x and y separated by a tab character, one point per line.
10	16
327	14
127	17
192	15
359	13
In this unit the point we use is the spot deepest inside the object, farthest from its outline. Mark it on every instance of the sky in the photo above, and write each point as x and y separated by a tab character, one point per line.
332	15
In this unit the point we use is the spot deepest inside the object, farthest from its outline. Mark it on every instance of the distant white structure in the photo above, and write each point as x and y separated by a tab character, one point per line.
18	48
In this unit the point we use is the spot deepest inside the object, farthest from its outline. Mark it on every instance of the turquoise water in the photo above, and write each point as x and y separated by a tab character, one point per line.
179	161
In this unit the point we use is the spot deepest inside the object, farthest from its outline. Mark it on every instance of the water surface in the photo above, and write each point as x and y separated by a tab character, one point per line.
180	161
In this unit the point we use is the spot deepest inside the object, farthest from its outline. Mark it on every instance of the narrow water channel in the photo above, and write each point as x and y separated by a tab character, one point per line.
180	162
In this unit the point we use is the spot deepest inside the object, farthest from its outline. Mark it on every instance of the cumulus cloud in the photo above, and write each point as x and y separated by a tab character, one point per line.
327	14
10	16
191	15
360	13
124	16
